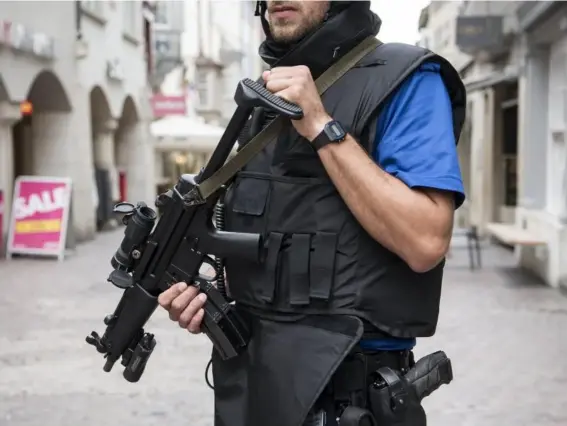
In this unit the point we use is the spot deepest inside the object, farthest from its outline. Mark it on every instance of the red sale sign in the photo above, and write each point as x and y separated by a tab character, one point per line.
40	213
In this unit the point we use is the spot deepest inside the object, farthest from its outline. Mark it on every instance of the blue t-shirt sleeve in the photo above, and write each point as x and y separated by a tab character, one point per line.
414	136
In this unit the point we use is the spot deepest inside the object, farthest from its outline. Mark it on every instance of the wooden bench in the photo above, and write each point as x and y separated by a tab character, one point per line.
512	235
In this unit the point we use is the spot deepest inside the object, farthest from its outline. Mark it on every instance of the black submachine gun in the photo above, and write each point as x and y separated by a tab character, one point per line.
152	257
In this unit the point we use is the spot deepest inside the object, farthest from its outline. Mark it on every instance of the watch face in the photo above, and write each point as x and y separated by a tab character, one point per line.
335	131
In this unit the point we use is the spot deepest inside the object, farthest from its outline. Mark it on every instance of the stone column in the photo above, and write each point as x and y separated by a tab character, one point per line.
62	146
136	156
104	158
533	128
9	114
104	154
52	133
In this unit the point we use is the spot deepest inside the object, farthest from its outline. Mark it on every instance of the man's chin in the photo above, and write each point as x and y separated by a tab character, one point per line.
286	37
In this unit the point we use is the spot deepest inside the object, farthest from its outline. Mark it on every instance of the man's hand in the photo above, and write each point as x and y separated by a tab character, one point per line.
296	85
185	305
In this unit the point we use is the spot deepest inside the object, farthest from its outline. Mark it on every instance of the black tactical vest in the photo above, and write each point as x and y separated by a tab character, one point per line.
317	257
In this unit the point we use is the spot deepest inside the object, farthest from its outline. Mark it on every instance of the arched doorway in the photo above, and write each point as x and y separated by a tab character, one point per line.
39	136
34	143
103	127
134	156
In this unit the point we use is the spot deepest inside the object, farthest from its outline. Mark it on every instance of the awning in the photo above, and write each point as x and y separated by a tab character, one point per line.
184	133
492	79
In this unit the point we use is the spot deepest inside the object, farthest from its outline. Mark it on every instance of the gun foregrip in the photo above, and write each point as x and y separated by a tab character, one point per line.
429	373
250	93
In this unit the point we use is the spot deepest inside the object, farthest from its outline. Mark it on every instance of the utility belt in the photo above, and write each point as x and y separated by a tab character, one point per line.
381	388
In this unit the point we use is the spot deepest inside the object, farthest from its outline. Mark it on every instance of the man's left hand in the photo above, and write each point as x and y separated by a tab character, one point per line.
296	85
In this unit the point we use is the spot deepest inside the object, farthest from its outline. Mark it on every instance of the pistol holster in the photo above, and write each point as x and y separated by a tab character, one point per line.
393	401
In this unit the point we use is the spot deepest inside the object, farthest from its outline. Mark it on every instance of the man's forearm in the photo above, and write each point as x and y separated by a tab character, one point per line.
410	223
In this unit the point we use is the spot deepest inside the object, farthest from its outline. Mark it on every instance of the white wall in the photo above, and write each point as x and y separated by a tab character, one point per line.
224	25
109	39
557	157
19	70
543	142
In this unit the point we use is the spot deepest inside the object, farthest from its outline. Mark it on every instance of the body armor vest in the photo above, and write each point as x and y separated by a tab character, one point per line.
317	257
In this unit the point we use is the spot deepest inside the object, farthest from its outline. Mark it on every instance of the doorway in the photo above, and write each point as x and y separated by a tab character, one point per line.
21	140
506	164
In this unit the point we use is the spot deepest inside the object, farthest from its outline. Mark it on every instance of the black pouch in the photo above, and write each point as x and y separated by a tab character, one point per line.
394	402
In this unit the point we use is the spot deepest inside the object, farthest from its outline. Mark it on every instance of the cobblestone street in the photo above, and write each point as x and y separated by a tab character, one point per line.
506	336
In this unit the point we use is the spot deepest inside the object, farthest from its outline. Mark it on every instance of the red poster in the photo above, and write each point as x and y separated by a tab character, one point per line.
40	212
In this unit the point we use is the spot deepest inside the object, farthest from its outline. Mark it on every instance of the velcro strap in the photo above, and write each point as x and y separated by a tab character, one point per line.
299	268
274	244
322	265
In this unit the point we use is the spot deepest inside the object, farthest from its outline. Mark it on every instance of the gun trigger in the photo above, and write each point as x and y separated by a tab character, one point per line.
210	266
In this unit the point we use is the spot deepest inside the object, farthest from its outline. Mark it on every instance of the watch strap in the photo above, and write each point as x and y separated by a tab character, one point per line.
324	139
321	140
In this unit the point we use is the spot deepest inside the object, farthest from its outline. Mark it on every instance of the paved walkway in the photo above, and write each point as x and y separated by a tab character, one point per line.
506	335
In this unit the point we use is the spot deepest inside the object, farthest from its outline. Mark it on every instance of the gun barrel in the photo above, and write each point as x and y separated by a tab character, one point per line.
133	311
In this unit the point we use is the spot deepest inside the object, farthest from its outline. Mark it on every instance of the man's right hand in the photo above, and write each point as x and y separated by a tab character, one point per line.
185	305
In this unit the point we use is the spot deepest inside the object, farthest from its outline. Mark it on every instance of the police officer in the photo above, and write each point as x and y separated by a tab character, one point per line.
355	202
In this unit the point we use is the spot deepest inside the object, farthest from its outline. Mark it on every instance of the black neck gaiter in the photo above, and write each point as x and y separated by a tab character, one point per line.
326	44
347	24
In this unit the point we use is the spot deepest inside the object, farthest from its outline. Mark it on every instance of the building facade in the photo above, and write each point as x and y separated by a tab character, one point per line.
219	47
516	93
167	30
82	66
437	31
542	206
487	31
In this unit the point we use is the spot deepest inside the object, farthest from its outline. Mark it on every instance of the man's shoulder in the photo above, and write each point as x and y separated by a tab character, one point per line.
401	54
404	54
419	69
409	66
403	49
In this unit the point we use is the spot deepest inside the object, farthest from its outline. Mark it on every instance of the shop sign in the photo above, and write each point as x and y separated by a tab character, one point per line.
163	105
20	38
40	216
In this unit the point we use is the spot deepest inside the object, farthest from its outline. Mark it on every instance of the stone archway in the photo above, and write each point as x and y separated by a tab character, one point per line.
47	94
134	154
35	144
42	138
103	128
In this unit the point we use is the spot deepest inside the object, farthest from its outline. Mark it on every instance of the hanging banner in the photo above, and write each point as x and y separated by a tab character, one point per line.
40	215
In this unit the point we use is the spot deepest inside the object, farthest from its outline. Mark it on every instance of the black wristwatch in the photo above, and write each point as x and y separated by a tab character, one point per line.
332	133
